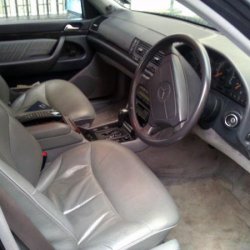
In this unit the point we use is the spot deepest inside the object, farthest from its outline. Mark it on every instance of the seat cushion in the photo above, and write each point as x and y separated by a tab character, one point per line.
60	95
110	197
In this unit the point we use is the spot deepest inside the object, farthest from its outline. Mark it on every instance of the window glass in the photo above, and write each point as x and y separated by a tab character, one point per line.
40	9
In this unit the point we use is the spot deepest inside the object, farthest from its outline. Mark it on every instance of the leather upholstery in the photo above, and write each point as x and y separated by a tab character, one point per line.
121	202
169	245
60	95
95	196
4	91
18	148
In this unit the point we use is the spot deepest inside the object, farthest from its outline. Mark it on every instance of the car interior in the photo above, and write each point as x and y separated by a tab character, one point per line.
122	127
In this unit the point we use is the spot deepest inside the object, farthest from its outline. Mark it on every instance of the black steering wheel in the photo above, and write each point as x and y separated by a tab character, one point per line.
176	93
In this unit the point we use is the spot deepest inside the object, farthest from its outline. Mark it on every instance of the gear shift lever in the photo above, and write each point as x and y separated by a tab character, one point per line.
122	115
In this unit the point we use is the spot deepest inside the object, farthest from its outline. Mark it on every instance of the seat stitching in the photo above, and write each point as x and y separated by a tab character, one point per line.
38	205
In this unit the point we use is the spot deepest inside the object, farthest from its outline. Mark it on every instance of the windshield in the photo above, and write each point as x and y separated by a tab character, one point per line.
164	7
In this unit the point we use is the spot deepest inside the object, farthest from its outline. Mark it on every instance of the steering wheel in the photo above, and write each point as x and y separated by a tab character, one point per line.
176	93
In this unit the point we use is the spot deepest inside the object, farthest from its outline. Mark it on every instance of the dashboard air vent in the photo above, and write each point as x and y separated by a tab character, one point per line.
142	48
138	49
157	59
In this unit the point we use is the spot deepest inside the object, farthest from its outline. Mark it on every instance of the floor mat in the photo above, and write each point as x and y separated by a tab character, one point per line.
211	191
188	159
211	217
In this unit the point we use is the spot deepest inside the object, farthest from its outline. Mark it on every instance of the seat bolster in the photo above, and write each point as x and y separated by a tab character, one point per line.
50	222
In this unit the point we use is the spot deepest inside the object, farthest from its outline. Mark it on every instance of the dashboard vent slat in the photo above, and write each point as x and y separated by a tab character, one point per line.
138	49
157	59
142	48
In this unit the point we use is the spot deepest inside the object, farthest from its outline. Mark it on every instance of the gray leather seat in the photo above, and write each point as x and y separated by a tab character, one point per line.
95	196
57	94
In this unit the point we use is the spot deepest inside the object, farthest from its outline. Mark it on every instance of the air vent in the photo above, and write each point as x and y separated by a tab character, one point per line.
96	24
142	48
138	49
157	59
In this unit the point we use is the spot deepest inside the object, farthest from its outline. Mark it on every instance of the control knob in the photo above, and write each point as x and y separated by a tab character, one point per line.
232	120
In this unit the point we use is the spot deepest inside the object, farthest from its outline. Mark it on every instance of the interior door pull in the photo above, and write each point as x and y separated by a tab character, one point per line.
69	27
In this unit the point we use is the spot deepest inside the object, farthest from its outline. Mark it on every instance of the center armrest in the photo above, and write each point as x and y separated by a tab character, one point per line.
53	135
50	129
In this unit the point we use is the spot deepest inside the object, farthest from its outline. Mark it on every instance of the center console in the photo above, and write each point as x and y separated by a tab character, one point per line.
57	133
54	132
120	131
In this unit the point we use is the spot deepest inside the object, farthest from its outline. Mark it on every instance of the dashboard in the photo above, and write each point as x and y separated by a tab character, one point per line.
124	37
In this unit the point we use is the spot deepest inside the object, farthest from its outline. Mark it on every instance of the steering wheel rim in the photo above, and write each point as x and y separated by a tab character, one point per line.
148	132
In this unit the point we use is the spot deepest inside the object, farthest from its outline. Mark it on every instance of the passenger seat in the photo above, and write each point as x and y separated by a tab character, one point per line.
60	95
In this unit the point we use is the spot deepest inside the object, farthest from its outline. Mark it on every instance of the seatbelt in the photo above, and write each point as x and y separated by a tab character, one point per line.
21	225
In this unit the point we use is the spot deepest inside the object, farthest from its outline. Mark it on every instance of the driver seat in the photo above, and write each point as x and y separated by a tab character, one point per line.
95	196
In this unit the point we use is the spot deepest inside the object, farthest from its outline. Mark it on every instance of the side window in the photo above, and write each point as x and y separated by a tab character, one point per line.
40	9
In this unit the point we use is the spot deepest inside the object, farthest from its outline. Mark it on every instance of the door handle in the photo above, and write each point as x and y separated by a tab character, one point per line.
69	27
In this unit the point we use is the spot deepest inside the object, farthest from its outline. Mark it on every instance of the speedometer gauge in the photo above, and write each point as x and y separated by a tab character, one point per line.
223	73
238	90
226	80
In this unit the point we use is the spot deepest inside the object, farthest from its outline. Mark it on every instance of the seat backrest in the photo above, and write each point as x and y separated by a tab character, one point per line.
18	148
20	166
4	91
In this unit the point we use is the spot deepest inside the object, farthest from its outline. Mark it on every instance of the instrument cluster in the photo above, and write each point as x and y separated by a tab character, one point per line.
225	78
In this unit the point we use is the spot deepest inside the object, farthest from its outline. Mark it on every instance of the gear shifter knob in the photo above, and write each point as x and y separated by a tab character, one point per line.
122	115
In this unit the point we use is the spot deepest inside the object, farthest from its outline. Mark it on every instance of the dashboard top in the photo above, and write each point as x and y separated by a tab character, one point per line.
123	26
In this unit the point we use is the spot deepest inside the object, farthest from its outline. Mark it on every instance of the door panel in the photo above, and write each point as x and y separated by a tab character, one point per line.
25	50
38	54
43	50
